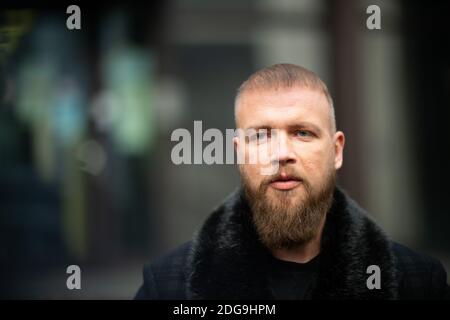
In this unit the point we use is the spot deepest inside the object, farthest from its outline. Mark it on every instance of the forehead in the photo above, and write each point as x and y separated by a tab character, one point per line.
283	107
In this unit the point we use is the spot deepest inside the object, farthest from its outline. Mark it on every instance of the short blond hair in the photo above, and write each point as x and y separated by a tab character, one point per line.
285	75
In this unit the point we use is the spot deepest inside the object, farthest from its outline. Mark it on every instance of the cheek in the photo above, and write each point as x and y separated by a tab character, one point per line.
316	160
252	173
259	155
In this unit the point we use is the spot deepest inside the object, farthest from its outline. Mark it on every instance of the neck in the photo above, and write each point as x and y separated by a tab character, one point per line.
302	253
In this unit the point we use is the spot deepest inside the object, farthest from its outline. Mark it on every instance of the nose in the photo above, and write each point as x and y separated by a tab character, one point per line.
284	152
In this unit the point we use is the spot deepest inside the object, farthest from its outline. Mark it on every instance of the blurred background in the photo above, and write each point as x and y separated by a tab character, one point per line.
86	117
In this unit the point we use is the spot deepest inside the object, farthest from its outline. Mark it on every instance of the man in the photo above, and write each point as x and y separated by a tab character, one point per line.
291	234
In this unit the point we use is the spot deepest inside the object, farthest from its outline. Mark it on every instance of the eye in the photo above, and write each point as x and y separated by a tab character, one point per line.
260	136
303	133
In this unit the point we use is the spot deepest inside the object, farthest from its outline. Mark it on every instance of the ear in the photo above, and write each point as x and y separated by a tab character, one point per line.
339	142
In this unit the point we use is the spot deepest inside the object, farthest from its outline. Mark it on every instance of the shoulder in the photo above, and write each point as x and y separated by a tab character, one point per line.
419	276
165	276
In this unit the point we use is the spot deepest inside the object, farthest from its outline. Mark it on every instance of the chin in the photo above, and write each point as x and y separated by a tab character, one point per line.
294	196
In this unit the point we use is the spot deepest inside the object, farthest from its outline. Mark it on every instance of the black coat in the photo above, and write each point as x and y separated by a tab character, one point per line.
225	260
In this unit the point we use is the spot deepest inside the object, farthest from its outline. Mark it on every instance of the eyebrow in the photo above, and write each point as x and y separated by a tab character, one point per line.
298	125
314	127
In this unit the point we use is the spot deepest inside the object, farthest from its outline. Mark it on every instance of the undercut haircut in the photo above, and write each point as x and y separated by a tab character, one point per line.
285	76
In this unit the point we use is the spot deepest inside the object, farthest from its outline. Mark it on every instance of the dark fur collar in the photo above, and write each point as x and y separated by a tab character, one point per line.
228	262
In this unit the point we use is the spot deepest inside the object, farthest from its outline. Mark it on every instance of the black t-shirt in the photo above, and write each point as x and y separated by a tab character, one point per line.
291	280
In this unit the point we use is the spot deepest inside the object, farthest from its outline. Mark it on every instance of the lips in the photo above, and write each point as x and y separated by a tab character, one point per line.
285	182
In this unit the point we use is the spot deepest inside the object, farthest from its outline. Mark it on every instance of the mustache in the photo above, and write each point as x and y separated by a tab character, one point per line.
287	177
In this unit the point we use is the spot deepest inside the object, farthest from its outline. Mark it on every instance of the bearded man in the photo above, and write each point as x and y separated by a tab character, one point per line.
292	233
